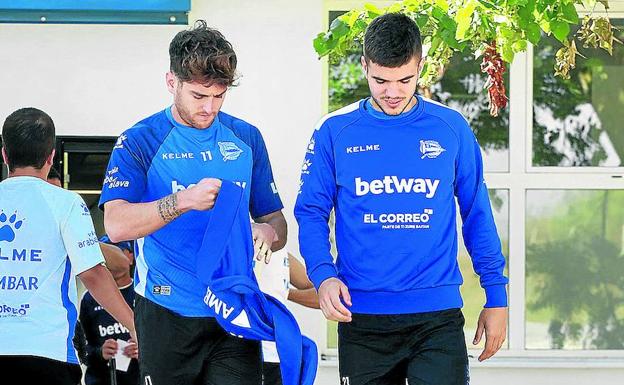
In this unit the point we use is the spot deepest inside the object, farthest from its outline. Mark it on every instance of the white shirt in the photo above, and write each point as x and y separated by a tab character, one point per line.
46	239
273	279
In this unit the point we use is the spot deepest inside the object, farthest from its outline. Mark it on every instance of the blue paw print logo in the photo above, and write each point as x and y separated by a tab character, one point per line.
8	225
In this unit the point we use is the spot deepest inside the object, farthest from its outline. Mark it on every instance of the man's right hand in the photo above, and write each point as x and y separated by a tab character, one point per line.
202	196
330	292
109	349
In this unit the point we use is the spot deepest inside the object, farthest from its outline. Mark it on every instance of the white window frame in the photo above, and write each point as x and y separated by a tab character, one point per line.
521	177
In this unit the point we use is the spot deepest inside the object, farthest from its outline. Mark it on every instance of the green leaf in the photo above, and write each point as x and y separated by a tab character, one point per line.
442	4
519	46
533	33
338	28
507	53
463	19
545	26
421	20
449	38
373	11
438	13
560	29
320	45
488	4
569	13
435	43
525	16
506	32
353	17
360	25
448	23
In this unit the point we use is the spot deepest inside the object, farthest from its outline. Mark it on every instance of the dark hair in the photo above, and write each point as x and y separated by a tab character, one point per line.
28	138
392	40
54	174
202	55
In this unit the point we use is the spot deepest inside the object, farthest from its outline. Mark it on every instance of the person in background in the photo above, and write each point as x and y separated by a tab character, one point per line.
101	331
46	240
54	178
284	278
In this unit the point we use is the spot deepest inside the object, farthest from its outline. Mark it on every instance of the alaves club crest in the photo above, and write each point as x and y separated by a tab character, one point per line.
430	149
229	150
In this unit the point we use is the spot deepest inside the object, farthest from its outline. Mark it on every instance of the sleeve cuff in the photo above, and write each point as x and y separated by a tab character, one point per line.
496	296
321	273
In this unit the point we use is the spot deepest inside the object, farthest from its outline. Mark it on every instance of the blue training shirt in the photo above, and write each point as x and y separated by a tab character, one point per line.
158	157
393	185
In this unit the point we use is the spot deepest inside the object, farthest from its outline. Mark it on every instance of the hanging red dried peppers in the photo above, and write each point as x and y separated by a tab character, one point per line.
494	67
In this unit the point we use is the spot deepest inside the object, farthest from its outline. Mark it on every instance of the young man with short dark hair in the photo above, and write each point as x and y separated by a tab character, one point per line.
392	167
100	331
46	240
163	178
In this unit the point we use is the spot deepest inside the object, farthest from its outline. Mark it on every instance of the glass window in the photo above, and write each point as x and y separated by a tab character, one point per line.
575	269
578	122
462	88
472	292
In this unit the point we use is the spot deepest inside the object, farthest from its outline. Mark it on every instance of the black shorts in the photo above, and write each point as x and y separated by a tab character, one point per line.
271	373
176	350
424	348
38	370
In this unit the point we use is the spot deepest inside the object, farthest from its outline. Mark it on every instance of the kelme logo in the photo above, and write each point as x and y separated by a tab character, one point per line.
8	225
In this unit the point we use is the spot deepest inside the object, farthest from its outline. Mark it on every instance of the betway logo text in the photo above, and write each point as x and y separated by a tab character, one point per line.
392	185
176	187
110	330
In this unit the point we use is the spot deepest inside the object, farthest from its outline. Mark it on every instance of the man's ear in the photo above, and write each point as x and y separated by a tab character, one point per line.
50	160
170	80
364	65
421	65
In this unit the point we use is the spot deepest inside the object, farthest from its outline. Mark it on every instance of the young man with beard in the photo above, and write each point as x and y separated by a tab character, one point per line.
392	166
163	178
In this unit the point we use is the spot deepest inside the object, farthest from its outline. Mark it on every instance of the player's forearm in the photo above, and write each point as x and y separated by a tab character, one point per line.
280	227
114	257
126	221
99	282
307	297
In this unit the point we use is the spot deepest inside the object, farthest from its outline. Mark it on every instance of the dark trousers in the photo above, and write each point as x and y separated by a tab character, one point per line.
176	350
424	348
18	370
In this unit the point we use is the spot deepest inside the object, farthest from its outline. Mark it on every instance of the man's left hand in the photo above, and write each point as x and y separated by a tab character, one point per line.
132	350
263	237
492	321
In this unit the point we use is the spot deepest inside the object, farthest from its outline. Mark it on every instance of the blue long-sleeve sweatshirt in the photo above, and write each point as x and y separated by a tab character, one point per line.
393	184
